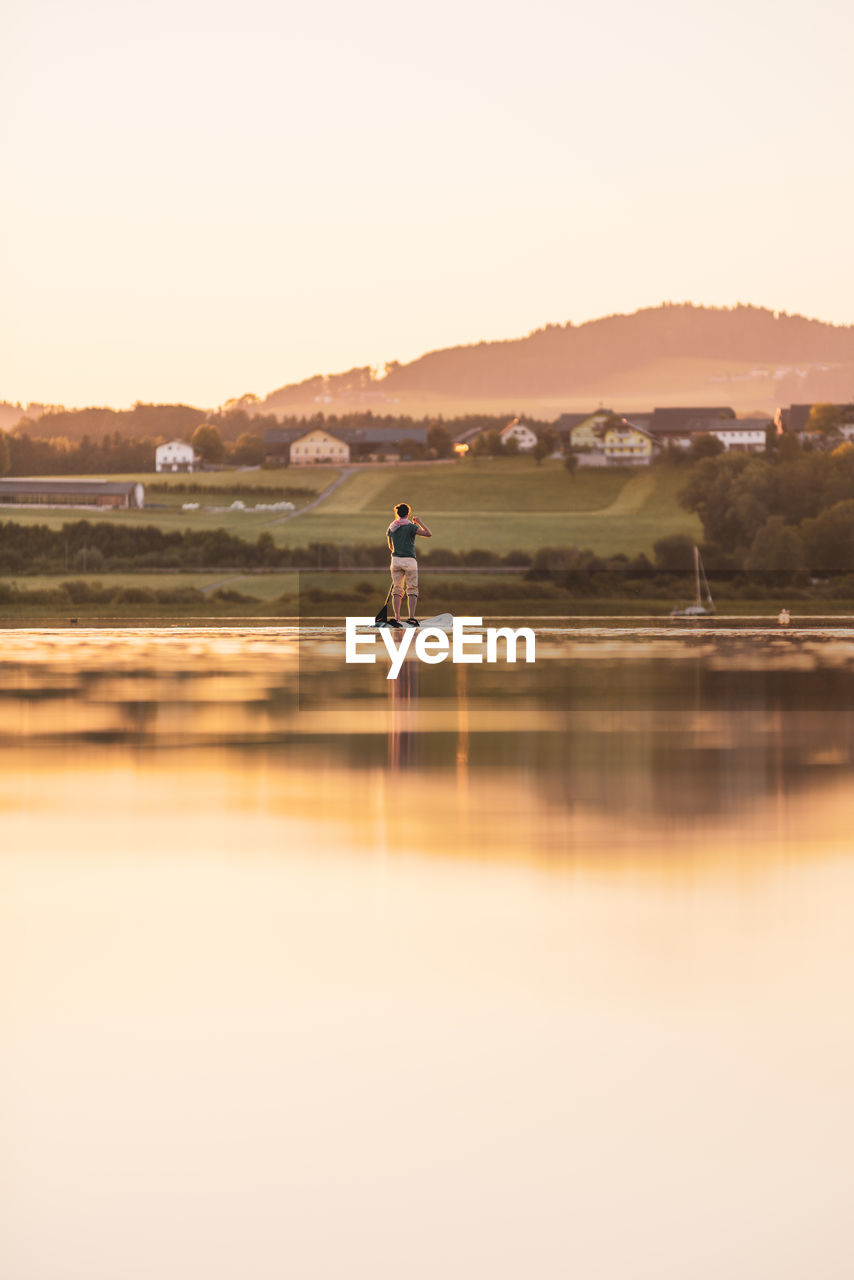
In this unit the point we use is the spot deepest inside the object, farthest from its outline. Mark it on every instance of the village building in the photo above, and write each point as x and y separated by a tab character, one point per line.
126	494
641	420
743	435
590	433
463	440
365	444
278	441
318	446
624	444
605	438
177	455
525	438
386	444
792	418
795	420
677	427
582	431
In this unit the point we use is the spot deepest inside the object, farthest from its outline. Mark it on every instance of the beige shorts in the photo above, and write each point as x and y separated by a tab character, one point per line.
404	575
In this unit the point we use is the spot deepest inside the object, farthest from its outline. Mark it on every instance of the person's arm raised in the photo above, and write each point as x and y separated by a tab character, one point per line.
421	526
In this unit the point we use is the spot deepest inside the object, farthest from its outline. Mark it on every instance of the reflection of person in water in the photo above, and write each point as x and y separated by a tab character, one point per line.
400	536
403	697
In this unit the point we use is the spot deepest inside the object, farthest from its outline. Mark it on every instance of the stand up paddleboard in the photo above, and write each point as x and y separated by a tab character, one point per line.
442	621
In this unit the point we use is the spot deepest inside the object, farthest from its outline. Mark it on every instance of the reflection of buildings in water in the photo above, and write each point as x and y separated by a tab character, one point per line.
403	695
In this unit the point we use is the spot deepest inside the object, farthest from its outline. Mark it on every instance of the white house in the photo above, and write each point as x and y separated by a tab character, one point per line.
318	445
743	435
177	455
523	435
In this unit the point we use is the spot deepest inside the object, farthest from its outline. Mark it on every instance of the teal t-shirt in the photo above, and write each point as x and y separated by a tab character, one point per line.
403	539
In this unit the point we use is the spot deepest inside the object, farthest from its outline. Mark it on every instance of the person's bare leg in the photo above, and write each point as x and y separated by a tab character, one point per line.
412	601
397	599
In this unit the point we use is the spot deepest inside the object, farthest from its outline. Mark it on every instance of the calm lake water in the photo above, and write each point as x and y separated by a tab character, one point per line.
495	972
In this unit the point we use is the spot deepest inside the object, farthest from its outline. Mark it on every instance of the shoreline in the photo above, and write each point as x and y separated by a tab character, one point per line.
544	622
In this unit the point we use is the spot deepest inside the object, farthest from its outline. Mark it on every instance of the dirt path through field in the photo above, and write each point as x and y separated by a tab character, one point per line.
321	497
356	496
631	498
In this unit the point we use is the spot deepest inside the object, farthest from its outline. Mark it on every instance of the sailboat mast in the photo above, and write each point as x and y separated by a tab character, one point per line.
697	573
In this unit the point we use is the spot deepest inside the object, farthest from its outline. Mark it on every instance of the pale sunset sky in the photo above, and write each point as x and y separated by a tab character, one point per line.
203	199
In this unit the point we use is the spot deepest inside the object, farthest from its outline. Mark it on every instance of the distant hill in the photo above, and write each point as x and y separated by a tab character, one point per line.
677	354
751	357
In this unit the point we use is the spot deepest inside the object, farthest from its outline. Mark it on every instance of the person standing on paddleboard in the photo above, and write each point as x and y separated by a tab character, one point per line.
401	535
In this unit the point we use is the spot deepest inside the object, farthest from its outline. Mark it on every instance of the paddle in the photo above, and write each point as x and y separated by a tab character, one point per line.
382	617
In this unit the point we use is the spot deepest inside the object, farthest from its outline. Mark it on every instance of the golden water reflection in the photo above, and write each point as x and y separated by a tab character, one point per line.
479	974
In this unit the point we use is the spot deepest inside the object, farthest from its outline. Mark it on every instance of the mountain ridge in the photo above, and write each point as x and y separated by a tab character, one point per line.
570	360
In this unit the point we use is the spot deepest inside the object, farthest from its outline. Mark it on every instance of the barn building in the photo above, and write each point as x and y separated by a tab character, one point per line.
42	492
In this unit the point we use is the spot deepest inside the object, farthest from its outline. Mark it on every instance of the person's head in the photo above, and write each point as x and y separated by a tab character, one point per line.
402	510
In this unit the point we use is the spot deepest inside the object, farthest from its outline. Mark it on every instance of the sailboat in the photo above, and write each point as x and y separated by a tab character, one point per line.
701	607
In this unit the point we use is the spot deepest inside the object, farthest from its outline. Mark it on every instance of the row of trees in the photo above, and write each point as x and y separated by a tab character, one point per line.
53	445
24	455
232	421
90	548
786	510
21	455
93	546
143	421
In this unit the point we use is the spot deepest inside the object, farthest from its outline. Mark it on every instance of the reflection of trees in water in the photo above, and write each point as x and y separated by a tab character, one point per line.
648	737
684	765
699	733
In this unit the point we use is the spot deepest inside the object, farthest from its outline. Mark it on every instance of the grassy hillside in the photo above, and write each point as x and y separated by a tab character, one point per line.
504	505
499	504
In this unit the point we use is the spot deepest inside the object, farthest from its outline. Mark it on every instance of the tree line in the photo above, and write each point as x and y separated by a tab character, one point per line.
787	510
74	442
102	546
24	455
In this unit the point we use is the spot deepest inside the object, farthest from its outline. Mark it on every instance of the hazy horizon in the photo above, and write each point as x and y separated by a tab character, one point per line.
204	202
734	393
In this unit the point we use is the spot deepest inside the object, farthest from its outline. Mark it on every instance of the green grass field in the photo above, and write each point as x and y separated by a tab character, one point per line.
314	478
486	485
497	504
263	586
504	505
